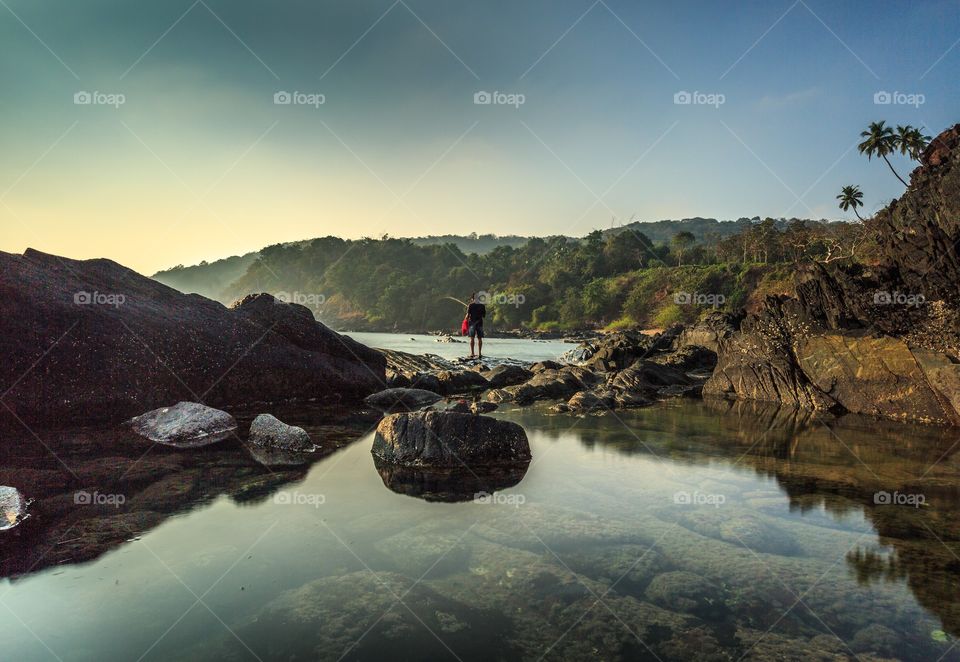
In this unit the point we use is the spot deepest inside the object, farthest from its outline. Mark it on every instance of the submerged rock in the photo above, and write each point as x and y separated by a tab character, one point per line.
682	591
402	398
13	507
268	431
185	425
448	439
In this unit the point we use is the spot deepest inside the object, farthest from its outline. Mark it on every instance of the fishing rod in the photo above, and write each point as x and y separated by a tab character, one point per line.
462	303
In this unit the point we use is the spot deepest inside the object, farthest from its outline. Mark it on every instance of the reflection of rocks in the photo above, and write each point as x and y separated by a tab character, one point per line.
278	457
448	439
100	489
185	424
448	485
404	399
268	432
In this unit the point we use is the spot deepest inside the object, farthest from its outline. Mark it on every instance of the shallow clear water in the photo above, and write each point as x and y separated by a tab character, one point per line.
510	348
687	530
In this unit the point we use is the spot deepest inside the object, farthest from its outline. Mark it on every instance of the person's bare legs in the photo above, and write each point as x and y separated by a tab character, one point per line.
480	347
471	346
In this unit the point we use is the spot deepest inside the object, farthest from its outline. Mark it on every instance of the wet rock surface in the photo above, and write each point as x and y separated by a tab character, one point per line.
267	431
449	439
185	424
13	507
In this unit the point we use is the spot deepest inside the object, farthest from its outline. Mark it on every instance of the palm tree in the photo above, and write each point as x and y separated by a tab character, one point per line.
851	197
880	141
911	141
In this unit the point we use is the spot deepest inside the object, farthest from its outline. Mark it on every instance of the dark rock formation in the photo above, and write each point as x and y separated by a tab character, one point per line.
447	439
453	382
540	366
185	425
268	432
881	340
506	375
91	341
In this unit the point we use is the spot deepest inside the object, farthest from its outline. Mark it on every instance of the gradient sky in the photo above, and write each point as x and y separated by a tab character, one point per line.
200	163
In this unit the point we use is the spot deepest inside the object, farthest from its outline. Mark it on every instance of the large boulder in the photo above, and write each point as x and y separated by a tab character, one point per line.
547	385
402	399
184	425
270	432
618	350
90	341
448	439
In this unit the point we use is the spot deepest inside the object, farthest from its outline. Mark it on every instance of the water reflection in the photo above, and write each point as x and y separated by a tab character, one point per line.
801	519
91	490
446	485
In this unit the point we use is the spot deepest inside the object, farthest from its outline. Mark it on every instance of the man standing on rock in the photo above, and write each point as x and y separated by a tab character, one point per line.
476	311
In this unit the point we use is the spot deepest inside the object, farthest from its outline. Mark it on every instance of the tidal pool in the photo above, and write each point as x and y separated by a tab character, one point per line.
686	531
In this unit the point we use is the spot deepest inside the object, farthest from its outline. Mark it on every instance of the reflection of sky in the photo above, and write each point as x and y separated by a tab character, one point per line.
199	163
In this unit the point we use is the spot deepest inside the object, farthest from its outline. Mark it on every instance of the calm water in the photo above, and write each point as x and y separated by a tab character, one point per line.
512	348
683	531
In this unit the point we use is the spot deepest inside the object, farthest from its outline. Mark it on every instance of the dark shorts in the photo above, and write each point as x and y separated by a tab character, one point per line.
475	330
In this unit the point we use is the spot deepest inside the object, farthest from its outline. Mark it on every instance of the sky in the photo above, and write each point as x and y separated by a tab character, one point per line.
163	133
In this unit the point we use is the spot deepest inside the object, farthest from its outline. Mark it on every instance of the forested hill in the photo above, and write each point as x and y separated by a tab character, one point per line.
607	279
211	279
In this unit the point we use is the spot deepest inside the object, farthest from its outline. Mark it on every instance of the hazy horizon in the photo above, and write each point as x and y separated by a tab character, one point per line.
158	135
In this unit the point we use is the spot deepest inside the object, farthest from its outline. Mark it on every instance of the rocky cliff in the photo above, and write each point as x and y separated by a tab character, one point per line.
880	339
92	341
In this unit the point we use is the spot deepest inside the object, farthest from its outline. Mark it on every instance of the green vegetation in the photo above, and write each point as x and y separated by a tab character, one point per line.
613	279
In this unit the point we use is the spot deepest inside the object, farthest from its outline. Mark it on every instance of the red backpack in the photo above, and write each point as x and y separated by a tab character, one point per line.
465	327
